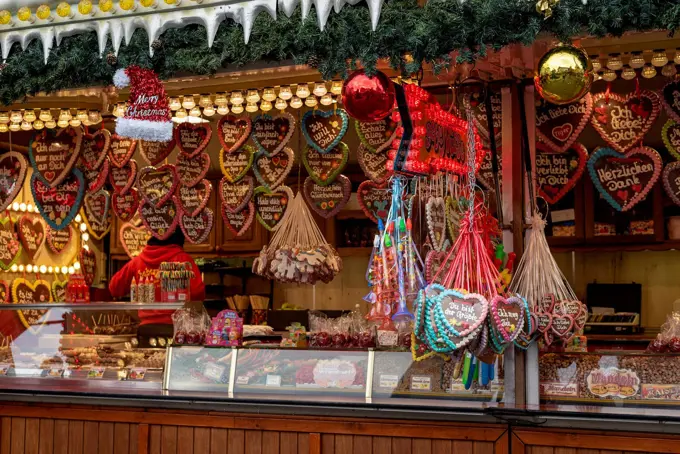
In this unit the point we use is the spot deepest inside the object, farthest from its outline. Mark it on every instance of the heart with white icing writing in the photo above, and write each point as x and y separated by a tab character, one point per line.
670	134
233	131
58	240
192	200
271	205
561	326
59	205
435	210
374	165
161	221
96	178
155	152
377	136
327	200
558	127
240	221
324	130
464	313
671	100
125	205
133	239
122	178
547	303
485	175
624	179
671	181
433	261
324	168
121	150
59	290
157	184
235	196
10	247
558	172
507	316
271	134
623	121
272	171
12	174
581	318
27	292
543	321
374	200
236	164
197	228
96	148
31	234
479	117
192	138
54	154
191	170
88	265
96	213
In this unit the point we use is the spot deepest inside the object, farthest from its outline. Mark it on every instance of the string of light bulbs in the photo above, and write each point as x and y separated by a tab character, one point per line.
647	63
37	119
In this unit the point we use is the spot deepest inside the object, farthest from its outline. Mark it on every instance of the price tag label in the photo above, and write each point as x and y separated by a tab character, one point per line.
421	383
137	373
4	369
387	338
273	380
213	371
96	373
389	381
242	380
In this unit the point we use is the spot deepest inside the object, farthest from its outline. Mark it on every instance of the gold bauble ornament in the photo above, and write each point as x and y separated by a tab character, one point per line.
564	74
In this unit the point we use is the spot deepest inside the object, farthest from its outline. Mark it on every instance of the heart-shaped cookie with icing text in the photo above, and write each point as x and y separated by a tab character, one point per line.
197	228
374	200
161	221
479	118
272	171
95	148
5	292
623	121
581	318
271	134
31	234
236	164
12	174
558	127
271	205
133	239
435	211
327	200
374	165
485	174
670	134
155	152
27	292
122	178
324	168
59	205
543	321
671	181
670	97
433	261
240	221
121	150
157	184
233	131
324	130
10	247
54	154
377	136
561	326
88	265
624	179
96	178
96	213
59	240
235	196
547	303
558	172
59	290
192	200
191	170
192	138
463	313
125	205
507	316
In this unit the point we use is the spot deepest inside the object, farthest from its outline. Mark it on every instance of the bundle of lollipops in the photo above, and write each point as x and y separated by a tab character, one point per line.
298	251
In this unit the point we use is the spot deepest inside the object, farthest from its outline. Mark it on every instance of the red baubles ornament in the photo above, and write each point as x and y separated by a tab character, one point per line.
368	98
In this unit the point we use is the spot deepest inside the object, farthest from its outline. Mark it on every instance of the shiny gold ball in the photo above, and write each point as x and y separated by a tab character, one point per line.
564	75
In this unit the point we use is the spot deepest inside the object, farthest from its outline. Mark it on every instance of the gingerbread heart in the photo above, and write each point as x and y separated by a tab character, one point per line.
157	184
507	316
671	138
96	178
671	100
58	240
235	196
327	200
324	130
121	150
12	174
377	136
156	152
623	121
125	205
272	171
240	221
271	205
236	164
192	200
96	213
374	200
558	172
5	292
547	303
271	134
233	131
561	326
59	290
543	321
433	262
122	178
479	118
435	211
191	170
197	228
59	205
324	168
671	181
54	154
88	265
161	221
31	234
192	138
133	239
26	292
10	247
485	175
581	318
374	165
464	313
624	179
96	148
558	127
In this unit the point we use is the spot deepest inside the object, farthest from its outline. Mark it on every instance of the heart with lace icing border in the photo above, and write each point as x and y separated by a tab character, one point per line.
121	150
571	120
70	192
328	200
377	136
272	133
233	131
95	179
122	178
320	131
136	239
433	261
95	148
125	205
671	181
164	218
5	292
192	138
197	228
13	167
324	168
9	241
68	154
59	290
235	196
548	160
96	213
455	306
191	170
58	240
374	165
157	185
155	152
235	165
271	171
507	316
192	200
374	199
88	265
240	221
31	234
285	195
32	319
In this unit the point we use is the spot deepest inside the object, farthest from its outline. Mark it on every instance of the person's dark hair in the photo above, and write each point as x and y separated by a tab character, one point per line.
177	238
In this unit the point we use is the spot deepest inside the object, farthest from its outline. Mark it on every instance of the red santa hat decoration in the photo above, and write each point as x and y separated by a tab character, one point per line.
147	116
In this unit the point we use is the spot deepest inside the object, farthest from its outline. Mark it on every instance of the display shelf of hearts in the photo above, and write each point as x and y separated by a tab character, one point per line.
235	196
324	130
10	247
272	133
479	118
88	265
558	172
192	200
191	170
54	154
624	179
328	200
156	152
239	222
96	178
125	205
31	234
59	205
271	205
59	240
235	165
558	127
192	138
122	178
374	200
197	228
95	148
374	165
233	131
161	221
133	239
323	168
623	121
27	292
121	150
96	213
157	185
271	171
12	175
377	136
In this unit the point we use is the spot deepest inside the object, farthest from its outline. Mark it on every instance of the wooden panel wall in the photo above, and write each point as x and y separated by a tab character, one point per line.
555	441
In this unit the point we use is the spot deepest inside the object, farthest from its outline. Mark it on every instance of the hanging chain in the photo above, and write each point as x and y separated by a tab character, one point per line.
471	157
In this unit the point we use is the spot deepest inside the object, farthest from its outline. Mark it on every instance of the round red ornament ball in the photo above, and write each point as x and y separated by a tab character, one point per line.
368	98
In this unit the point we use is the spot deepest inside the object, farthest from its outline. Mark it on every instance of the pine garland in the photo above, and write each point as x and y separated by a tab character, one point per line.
427	33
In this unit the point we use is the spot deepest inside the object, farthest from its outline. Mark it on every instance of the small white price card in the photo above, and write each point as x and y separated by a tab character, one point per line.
273	380
55	372
242	380
389	381
421	383
4	369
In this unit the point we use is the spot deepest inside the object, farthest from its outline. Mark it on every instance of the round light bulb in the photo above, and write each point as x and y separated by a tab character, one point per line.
336	87
50	124
4	127
78	218
188	102
22	206
280	104
29	207
16	116
221	99
21	268
64	10
659	59
85	236
172	2
296	102
82	115
236	98
14	127
14	268
251	107
195	111
127	5
302	91
15	206
82	227
62	123
86	247
205	101
75	122
637	60
64	270
326	100
237	109
648	71
223	110
5	17
29	115
669	70
265	106
44	13
181	113
320	89
71	270
106	6
43	269
26	125
76	265
65	114
609	75
45	115
50	269
268	94
285	93
311	101
614	62
253	96
4	117
209	111
29	268
628	73
85	7
24	14
174	104
94	117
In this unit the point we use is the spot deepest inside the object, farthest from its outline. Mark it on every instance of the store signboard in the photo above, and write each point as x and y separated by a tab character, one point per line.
613	382
559	389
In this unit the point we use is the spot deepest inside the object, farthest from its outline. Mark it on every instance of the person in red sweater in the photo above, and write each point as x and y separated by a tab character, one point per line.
154	253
